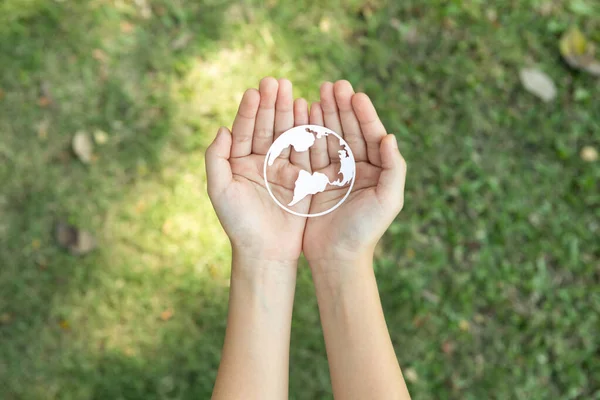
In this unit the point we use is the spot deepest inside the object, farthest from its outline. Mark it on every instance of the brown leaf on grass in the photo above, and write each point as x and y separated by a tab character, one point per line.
325	25
448	347
45	98
6	318
127	27
42	129
99	55
44	101
420	320
100	137
64	325
546	8
538	83
579	52
182	41
76	241
411	375
83	147
589	154
214	271
167	314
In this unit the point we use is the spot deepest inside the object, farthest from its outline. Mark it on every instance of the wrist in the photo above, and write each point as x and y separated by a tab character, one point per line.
261	270
273	255
341	260
335	272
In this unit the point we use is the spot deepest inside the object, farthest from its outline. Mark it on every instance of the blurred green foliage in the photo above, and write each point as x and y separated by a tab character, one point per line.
489	277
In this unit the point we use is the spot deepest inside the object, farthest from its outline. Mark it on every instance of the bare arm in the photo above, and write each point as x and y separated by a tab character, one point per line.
266	243
255	359
360	353
339	247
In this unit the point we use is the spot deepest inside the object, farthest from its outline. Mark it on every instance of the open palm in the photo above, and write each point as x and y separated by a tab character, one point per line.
253	222
378	192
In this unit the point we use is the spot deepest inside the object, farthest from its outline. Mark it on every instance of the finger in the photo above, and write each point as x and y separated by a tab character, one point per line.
284	111
319	156
393	176
352	134
332	119
371	126
218	169
243	125
301	159
265	117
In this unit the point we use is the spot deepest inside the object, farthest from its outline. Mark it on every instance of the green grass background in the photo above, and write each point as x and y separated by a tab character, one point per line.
490	277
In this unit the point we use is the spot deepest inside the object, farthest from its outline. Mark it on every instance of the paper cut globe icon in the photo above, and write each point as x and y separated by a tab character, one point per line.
307	183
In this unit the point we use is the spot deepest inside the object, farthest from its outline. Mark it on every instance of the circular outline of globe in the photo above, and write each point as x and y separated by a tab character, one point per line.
305	128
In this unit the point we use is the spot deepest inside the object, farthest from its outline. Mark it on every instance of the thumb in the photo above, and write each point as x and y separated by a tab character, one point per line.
390	187
218	169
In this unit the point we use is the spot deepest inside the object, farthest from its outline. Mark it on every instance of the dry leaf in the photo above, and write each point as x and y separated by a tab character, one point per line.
140	206
99	55
464	325
42	129
182	41
589	154
100	137
78	242
83	147
432	297
127	27
546	8
492	15
420	320
85	243
538	83
448	347
396	24
5	318
214	271
64	325
325	25
44	101
411	375
578	52
167	314
167	227
411	35
129	351
145	9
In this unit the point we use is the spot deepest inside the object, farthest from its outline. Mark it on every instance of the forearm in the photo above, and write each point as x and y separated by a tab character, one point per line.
254	363
361	356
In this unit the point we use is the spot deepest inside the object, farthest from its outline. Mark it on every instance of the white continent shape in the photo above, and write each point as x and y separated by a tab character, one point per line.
307	183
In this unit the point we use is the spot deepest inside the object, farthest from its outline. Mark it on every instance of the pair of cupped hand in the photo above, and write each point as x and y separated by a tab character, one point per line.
260	229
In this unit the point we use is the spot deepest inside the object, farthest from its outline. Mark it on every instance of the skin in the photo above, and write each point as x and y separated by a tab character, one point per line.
267	242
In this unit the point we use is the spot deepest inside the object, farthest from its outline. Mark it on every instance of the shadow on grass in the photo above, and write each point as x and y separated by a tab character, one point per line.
485	277
136	318
84	66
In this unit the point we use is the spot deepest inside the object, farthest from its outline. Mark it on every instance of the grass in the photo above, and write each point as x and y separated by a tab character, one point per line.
489	278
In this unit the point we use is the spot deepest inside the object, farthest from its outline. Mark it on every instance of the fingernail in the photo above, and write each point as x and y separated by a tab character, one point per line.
395	141
221	131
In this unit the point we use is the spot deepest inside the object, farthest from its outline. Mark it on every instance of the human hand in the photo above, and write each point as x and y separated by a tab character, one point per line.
256	226
353	230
